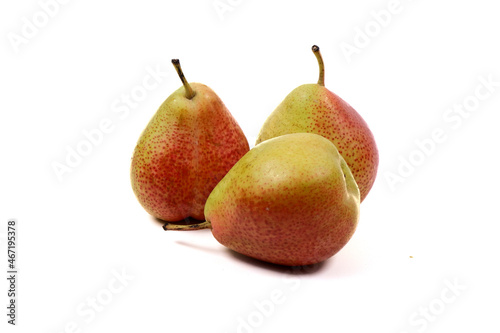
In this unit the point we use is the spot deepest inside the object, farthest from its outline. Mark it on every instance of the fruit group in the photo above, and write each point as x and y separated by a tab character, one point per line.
291	200
312	108
186	149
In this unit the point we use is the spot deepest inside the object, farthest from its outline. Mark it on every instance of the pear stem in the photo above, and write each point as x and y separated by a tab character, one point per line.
189	91
321	80
187	227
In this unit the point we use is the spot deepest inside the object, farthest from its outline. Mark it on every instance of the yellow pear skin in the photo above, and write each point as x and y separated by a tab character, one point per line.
312	108
186	149
291	200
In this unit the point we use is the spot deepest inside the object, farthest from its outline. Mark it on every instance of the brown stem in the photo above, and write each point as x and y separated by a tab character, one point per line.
189	91
187	227
321	80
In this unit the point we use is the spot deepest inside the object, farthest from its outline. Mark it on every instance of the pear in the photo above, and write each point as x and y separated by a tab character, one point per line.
313	108
186	149
291	200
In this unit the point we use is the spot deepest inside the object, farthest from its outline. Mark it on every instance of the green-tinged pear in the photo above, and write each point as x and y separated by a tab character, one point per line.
312	108
291	200
186	149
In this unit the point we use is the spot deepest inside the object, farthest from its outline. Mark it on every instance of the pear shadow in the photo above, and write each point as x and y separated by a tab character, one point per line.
199	247
283	269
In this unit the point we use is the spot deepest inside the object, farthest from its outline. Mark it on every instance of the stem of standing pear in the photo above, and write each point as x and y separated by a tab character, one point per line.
189	91
187	227
321	80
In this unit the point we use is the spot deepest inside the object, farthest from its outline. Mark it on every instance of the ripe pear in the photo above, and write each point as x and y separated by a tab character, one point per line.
291	200
186	149
313	108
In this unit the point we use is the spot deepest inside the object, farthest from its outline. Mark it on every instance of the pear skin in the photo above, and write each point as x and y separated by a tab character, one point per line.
291	200
186	149
312	108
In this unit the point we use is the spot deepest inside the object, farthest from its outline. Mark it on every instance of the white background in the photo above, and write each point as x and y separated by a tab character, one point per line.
425	255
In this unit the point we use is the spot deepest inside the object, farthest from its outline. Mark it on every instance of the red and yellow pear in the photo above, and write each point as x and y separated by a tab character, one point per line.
312	108
290	200
186	149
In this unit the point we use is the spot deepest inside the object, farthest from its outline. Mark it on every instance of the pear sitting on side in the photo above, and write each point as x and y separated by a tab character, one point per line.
312	108
291	200
186	149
